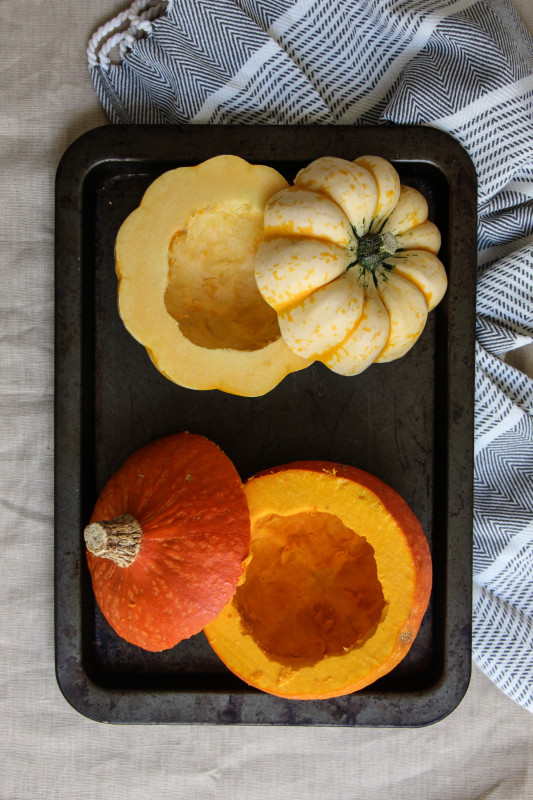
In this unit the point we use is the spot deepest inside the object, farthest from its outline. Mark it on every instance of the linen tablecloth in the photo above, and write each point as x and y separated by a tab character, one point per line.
47	749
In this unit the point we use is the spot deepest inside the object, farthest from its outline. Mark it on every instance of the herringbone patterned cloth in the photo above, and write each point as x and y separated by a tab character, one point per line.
465	66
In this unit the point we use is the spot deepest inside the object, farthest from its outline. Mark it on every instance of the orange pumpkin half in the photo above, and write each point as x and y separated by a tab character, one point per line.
335	588
167	540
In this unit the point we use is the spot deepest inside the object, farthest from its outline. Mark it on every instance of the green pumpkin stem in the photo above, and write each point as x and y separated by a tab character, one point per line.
372	250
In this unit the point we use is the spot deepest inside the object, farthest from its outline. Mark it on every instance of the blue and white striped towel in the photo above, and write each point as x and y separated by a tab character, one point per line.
465	66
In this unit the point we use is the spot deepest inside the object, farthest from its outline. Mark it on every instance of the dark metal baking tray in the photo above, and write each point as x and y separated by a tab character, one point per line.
409	422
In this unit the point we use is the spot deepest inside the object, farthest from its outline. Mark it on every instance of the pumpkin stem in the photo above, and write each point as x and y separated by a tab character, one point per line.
374	248
118	539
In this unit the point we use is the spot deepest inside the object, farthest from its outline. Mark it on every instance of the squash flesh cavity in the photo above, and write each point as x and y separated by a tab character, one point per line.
204	337
311	587
211	290
372	527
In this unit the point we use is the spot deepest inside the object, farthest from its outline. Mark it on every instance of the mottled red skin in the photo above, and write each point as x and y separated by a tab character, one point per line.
189	500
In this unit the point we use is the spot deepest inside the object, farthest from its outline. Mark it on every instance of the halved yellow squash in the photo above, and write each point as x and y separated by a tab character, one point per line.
185	264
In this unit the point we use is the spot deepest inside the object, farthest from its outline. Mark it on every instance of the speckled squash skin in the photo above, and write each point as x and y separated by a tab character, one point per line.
349	263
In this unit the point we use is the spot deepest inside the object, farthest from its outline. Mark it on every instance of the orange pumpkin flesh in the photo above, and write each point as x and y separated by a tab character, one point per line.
188	500
335	588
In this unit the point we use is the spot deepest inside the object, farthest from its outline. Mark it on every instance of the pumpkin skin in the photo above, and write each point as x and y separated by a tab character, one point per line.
325	613
349	263
188	500
186	288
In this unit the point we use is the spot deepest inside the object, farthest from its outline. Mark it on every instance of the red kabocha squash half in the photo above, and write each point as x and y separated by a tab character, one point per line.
167	540
335	587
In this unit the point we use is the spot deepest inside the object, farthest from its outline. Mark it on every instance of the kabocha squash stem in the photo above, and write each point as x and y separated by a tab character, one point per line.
118	539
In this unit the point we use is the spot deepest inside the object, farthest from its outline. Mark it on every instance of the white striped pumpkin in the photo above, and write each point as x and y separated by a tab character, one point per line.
349	263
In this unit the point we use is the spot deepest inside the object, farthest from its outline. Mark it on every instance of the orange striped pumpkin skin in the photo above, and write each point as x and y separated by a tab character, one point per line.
349	263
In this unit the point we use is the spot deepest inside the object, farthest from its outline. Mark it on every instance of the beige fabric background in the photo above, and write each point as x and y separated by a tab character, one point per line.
47	750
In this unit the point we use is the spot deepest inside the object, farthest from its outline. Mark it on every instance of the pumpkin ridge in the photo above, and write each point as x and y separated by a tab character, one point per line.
327	354
290	305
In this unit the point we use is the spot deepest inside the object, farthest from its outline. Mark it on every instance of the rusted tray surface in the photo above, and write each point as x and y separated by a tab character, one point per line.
409	422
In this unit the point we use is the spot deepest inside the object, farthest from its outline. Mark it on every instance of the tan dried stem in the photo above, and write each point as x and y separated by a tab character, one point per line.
118	539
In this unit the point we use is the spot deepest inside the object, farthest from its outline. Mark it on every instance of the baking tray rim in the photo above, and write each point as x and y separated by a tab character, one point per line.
120	143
